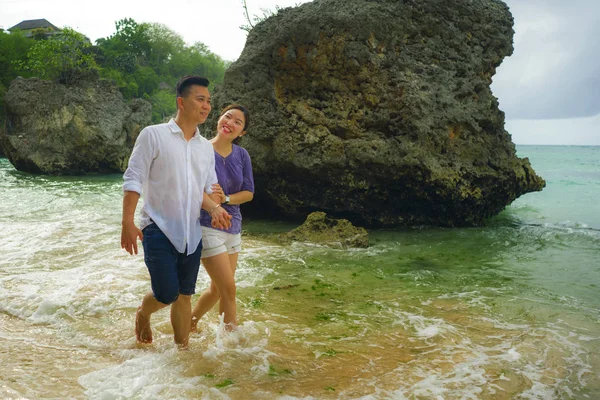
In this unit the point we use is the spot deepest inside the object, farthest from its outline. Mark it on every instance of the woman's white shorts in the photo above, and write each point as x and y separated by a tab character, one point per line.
216	242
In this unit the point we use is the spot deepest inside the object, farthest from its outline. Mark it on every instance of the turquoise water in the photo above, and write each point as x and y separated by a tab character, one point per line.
510	310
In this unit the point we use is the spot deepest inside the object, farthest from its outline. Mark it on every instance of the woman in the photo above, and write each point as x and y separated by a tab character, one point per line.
220	248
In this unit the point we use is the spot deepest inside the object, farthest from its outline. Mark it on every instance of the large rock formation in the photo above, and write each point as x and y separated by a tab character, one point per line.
77	129
380	111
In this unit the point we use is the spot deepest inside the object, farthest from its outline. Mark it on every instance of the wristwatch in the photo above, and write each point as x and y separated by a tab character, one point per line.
226	200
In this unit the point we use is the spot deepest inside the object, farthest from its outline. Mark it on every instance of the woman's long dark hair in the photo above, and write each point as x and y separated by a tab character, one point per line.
246	118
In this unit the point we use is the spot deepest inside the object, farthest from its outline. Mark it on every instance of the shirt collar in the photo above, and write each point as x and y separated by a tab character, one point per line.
176	129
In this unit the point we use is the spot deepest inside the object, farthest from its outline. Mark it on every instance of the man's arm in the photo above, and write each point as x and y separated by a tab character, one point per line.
130	232
136	173
211	202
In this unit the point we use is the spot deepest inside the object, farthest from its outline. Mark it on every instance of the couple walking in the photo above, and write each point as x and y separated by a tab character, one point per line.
180	173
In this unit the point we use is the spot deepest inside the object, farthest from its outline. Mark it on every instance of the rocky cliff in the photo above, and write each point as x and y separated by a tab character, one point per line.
76	129
380	111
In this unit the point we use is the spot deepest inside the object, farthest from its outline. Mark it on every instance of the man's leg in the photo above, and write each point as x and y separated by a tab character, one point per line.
150	305
161	260
181	311
181	317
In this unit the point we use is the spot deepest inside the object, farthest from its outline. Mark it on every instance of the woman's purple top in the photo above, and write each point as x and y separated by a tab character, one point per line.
234	174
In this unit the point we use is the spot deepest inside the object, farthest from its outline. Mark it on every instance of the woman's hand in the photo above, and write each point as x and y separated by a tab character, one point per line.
221	219
217	189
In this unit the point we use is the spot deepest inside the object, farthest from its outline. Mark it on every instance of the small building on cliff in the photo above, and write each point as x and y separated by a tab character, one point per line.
36	28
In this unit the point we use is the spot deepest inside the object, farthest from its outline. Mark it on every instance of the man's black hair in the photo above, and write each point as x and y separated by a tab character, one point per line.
184	84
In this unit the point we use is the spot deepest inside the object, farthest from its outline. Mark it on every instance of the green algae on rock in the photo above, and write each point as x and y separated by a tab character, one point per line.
322	229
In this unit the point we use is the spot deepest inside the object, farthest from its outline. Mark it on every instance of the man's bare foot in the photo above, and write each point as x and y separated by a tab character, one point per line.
194	325
143	332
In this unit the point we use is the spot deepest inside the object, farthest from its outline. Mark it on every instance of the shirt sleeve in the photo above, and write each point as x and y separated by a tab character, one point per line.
248	182
211	176
141	158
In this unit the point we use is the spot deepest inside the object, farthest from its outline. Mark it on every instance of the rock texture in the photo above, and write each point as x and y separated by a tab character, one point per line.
77	129
380	111
321	229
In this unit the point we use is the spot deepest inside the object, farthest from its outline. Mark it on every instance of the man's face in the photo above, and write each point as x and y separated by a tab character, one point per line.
196	104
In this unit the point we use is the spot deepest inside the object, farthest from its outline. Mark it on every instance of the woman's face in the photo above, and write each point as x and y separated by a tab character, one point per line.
231	124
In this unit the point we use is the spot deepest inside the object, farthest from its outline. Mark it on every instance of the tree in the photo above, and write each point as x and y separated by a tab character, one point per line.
164	43
142	58
198	60
256	19
131	37
61	57
13	53
147	80
163	104
124	50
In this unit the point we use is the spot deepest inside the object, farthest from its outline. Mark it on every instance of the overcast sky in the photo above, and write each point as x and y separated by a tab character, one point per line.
549	88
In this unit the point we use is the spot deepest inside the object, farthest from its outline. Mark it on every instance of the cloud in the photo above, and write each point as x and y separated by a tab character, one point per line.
555	69
573	131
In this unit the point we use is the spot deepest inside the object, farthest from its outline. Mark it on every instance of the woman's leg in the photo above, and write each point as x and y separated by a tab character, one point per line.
207	300
210	296
232	265
233	259
219	270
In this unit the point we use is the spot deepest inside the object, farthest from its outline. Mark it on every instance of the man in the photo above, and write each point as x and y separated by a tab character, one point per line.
174	167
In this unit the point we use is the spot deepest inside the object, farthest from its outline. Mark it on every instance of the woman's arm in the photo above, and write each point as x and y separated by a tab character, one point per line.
246	193
241	197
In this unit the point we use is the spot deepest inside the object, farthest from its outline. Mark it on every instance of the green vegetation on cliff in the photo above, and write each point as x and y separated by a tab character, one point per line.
59	58
13	52
144	60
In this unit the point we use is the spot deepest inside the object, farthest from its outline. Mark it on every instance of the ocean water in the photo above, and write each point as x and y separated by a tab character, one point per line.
506	311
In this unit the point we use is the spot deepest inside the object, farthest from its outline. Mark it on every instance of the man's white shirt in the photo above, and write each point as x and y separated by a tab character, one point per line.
171	175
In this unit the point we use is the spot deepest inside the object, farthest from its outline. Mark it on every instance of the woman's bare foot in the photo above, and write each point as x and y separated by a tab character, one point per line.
143	332
194	325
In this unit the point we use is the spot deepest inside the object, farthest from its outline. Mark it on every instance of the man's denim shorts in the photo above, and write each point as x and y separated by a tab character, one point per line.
171	273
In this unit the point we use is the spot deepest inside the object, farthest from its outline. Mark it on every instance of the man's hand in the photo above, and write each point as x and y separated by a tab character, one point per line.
220	218
129	235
